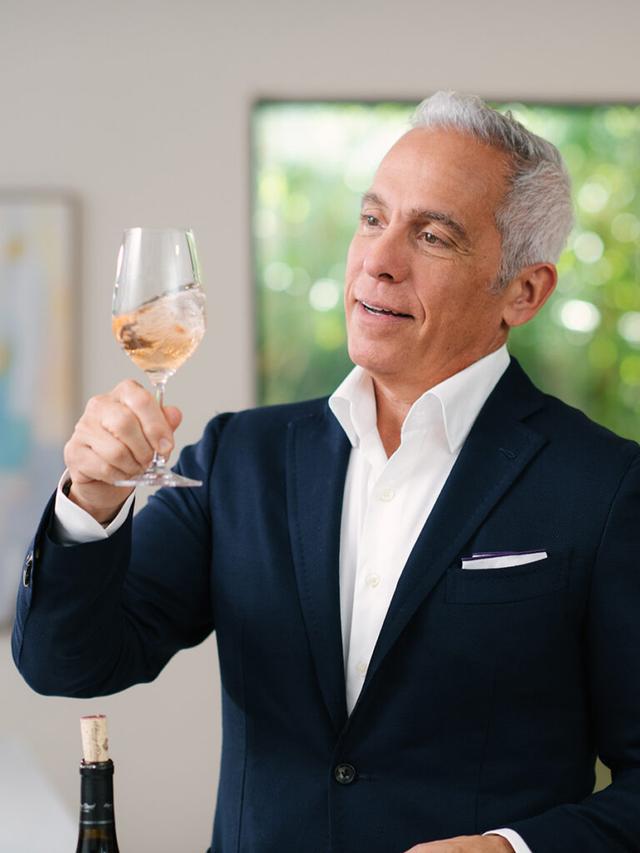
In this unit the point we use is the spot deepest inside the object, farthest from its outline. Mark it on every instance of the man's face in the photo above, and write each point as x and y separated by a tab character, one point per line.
427	249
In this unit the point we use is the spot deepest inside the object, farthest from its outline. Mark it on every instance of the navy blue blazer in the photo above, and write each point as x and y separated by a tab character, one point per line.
489	693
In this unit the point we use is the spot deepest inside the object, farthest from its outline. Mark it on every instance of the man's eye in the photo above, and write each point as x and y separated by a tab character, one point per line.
430	238
368	219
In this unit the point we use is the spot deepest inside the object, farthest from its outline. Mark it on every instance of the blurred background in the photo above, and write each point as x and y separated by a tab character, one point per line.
258	125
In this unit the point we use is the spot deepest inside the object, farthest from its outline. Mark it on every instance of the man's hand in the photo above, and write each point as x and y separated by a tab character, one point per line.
115	439
466	844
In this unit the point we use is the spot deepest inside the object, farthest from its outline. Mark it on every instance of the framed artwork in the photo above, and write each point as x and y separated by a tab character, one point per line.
38	347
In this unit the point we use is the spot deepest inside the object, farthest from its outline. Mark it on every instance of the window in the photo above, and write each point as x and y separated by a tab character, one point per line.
312	161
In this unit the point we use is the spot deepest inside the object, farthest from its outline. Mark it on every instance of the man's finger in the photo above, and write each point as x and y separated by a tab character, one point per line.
173	415
152	420
88	467
123	424
116	453
465	844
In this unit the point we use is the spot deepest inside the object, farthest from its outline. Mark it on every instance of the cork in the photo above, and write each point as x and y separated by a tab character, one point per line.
95	743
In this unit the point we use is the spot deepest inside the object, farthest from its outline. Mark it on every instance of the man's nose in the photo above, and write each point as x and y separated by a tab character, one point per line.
387	256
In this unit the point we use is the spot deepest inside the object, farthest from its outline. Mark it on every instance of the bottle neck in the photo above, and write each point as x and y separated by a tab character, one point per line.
96	799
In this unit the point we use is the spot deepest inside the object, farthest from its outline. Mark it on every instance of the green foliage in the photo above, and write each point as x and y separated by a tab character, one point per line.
312	163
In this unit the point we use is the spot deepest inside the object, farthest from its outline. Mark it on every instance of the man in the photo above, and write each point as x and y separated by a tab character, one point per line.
424	590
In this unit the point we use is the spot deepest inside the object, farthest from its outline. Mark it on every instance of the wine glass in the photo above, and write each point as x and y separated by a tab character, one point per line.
158	317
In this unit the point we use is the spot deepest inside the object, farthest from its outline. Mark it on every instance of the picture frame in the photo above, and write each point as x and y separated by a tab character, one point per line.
39	296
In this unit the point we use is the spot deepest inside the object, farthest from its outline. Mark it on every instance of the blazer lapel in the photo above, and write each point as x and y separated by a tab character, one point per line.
317	458
496	451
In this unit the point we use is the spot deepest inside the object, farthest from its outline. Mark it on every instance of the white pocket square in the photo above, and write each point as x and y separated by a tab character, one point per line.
502	559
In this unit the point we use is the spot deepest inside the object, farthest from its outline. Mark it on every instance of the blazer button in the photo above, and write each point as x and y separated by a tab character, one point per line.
26	572
345	774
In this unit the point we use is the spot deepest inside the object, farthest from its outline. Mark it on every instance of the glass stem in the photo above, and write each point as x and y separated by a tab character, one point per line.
159	461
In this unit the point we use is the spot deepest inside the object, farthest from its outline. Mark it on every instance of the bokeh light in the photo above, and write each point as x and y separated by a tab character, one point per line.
579	316
324	294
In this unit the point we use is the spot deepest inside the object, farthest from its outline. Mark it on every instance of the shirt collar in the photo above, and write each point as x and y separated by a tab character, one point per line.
460	396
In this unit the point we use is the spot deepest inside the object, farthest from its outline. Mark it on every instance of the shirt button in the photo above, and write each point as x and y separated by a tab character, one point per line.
361	668
373	581
344	774
387	495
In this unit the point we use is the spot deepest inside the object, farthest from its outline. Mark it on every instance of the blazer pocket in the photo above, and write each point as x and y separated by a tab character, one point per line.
502	561
503	585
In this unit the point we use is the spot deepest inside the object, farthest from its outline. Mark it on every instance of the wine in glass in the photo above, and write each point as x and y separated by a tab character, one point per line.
158	317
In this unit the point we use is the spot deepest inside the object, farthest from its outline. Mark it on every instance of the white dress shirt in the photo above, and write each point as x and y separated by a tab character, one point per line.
386	501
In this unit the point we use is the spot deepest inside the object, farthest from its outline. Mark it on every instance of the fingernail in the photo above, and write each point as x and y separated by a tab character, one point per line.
164	446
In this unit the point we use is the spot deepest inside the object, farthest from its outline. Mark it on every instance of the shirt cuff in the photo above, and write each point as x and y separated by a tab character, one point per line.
74	526
515	840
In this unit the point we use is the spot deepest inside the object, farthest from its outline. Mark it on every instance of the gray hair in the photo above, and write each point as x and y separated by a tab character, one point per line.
536	214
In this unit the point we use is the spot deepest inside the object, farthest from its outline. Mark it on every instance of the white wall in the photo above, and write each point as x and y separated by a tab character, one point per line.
142	110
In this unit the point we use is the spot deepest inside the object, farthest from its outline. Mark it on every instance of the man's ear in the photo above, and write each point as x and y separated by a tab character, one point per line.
527	292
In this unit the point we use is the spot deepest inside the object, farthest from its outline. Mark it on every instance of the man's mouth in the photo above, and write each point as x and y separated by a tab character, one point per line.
379	309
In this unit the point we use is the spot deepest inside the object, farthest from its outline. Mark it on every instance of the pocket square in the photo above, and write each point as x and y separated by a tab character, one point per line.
502	559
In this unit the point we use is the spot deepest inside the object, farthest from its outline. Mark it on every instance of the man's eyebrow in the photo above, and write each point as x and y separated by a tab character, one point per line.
422	215
444	218
372	198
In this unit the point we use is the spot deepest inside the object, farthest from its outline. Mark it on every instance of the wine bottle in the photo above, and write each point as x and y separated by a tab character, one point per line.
97	830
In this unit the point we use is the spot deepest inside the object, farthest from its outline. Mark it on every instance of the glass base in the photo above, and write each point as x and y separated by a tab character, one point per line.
159	478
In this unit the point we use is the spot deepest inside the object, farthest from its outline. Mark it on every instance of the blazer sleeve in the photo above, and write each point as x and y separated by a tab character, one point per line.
608	821
96	618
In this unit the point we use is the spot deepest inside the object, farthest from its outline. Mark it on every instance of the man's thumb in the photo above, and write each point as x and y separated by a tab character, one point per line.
173	416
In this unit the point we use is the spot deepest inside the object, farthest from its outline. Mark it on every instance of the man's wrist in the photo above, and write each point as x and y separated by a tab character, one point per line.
73	525
102	516
514	842
501	842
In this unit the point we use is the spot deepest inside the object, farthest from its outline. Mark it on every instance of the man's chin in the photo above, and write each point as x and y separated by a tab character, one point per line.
375	362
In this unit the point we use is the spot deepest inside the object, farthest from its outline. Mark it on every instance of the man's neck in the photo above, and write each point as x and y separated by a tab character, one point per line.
391	410
394	399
